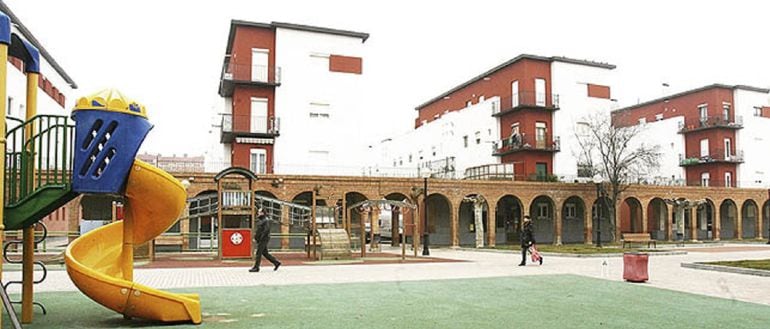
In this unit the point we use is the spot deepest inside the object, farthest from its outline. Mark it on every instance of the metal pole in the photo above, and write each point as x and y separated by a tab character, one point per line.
5	39
425	236
28	253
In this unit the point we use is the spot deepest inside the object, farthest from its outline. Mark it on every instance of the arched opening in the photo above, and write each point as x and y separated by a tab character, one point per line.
656	219
602	225
508	220
704	217
749	216
400	221
355	217
439	220
468	224
202	225
541	212
727	219
573	220
631	216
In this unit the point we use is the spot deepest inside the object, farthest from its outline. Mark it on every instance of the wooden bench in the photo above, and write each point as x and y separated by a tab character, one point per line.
638	238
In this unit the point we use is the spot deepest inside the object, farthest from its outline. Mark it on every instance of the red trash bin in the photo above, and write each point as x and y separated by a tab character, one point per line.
635	266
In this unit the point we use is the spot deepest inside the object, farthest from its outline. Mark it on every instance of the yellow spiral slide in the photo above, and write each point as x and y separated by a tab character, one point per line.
100	262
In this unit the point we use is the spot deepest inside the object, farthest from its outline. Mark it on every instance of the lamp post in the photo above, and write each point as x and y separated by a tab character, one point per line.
425	236
599	194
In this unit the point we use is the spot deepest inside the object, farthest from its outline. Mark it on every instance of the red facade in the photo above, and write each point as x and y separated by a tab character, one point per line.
709	115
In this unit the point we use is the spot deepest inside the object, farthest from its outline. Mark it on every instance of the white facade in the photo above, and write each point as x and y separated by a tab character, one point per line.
16	89
468	135
753	139
321	112
664	134
570	81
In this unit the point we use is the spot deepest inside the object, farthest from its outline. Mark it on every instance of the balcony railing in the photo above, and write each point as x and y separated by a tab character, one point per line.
236	199
700	123
524	142
250	124
498	171
526	99
252	73
718	156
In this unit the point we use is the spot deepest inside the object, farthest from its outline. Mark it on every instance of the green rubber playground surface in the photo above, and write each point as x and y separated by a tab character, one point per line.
547	301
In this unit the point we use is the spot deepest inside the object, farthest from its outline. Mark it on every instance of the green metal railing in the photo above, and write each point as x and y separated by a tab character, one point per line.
39	154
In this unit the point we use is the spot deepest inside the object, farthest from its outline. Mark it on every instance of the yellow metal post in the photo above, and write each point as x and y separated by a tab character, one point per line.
28	254
127	254
3	104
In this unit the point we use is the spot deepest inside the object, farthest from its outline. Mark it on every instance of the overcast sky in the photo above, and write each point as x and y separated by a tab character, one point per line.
168	54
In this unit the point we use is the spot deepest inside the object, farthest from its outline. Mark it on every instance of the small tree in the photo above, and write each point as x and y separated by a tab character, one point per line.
616	154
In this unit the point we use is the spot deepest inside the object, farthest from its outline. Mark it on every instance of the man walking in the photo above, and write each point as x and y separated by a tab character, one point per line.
262	237
527	240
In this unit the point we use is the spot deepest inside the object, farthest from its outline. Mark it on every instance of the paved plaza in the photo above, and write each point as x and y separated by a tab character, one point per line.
665	271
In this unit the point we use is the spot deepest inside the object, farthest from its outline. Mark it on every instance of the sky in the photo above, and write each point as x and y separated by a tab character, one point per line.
168	54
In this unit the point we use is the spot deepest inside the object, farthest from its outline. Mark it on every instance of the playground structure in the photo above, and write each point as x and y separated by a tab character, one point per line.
48	161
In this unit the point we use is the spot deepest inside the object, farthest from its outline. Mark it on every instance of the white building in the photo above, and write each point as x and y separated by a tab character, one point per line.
293	99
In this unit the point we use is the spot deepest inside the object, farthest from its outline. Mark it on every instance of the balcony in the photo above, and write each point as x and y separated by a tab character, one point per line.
524	142
526	100
248	74
703	123
718	157
499	171
257	127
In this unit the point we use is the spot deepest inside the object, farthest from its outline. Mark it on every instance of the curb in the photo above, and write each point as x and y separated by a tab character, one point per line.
727	269
619	254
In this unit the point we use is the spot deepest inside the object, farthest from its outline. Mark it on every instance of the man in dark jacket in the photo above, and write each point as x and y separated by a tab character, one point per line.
262	237
527	240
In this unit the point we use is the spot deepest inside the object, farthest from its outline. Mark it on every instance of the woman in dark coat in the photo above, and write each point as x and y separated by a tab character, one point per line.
527	240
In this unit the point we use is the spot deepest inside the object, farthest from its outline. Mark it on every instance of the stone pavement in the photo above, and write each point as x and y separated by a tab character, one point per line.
664	272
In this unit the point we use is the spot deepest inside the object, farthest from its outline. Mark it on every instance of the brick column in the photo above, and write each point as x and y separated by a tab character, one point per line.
454	224
645	224
557	221
717	224
669	226
588	223
491	227
285	227
693	224
738	222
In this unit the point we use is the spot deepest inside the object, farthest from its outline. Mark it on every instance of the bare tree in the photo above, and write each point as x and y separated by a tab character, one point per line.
617	154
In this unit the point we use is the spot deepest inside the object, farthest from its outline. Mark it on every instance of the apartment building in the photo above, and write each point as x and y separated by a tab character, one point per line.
715	135
522	113
292	98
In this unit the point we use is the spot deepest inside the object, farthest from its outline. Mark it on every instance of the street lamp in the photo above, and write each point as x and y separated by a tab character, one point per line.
425	236
599	194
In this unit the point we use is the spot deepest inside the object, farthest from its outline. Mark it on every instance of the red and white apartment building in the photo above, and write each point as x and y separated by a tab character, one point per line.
55	95
288	89
710	136
522	113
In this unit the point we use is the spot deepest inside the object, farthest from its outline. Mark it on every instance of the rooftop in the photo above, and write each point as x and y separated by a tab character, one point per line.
692	91
514	60
307	28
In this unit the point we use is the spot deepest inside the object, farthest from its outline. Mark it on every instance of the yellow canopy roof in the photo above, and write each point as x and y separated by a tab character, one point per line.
110	100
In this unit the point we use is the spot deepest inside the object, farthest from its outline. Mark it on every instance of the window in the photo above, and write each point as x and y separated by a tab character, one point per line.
642	121
757	111
468	103
515	93
410	158
584	170
659	117
420	154
728	149
540	92
9	109
478	137
258	161
481	98
703	109
728	179
704	179
542	210
465	141
570	211
540	131
704	147
433	150
400	161
726	112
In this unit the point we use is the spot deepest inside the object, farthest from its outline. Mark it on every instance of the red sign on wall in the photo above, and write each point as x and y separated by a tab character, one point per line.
236	243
